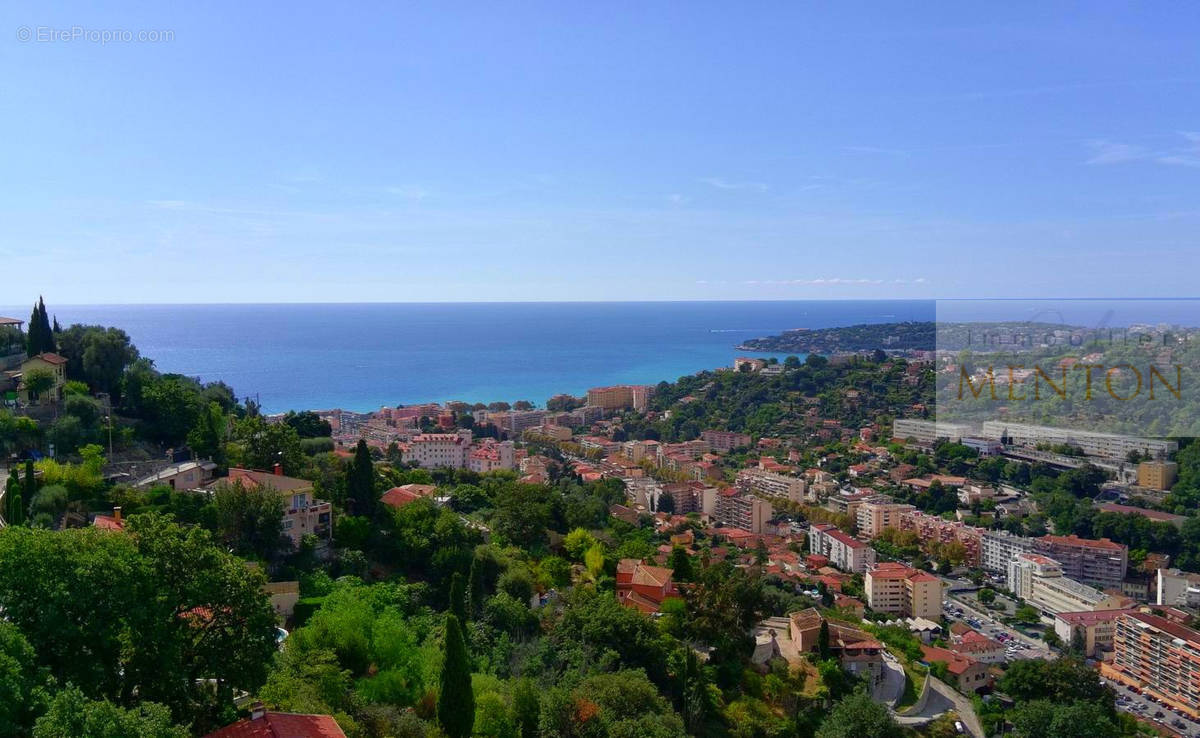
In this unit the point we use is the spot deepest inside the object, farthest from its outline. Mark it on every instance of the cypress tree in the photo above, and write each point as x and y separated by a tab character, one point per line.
40	337
456	698
475	587
526	708
360	481
458	600
823	640
30	481
14	506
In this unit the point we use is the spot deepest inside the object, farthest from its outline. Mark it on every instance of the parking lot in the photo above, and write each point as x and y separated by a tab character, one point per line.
1017	645
1153	711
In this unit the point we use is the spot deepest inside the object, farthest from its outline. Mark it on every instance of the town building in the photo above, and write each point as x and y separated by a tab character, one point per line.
902	590
725	441
1159	657
491	455
187	475
875	517
433	450
620	397
56	366
1039	581
1175	588
746	512
999	547
771	484
1092	630
933	528
302	515
642	586
856	650
1107	445
264	724
926	432
1155	515
1100	563
975	645
1157	474
406	494
967	674
843	550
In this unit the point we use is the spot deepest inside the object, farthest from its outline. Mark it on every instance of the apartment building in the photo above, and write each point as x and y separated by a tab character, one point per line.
491	455
1107	445
771	484
875	517
302	514
1093	630
1040	582
432	450
934	528
1159	657
1157	474
902	590
1175	588
925	432
621	397
745	512
725	440
999	547
843	550
1100	563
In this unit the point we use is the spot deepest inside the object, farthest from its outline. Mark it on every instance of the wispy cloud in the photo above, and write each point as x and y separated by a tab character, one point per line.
408	192
677	199
1185	154
724	184
898	153
835	281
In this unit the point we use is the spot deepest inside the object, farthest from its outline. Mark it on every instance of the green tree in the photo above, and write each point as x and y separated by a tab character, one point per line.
858	716
39	335
526	707
823	640
308	424
14	504
360	482
987	596
262	445
250	517
20	681
456	697
203	626
458	600
73	715
681	564
207	436
37	381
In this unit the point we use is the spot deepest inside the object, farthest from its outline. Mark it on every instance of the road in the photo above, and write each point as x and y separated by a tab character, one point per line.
1145	708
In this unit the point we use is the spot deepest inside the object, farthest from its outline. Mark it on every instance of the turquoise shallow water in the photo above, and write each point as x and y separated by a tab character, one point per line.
361	357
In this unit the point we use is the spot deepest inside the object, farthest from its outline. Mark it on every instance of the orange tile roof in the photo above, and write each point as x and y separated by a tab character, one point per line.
282	725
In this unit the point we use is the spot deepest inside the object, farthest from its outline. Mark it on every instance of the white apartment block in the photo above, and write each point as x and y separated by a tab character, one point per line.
927	431
843	550
1175	588
999	547
1107	445
1039	581
432	450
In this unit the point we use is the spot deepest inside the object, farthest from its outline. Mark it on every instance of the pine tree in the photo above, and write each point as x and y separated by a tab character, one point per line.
458	600
57	327
456	698
360	482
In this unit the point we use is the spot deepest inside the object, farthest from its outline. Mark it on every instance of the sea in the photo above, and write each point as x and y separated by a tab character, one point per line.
361	357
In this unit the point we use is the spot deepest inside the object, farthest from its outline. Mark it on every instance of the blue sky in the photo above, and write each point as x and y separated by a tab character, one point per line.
604	151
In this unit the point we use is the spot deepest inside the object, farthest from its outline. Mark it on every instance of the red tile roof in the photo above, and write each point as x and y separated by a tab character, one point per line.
282	725
1074	540
1155	515
51	358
